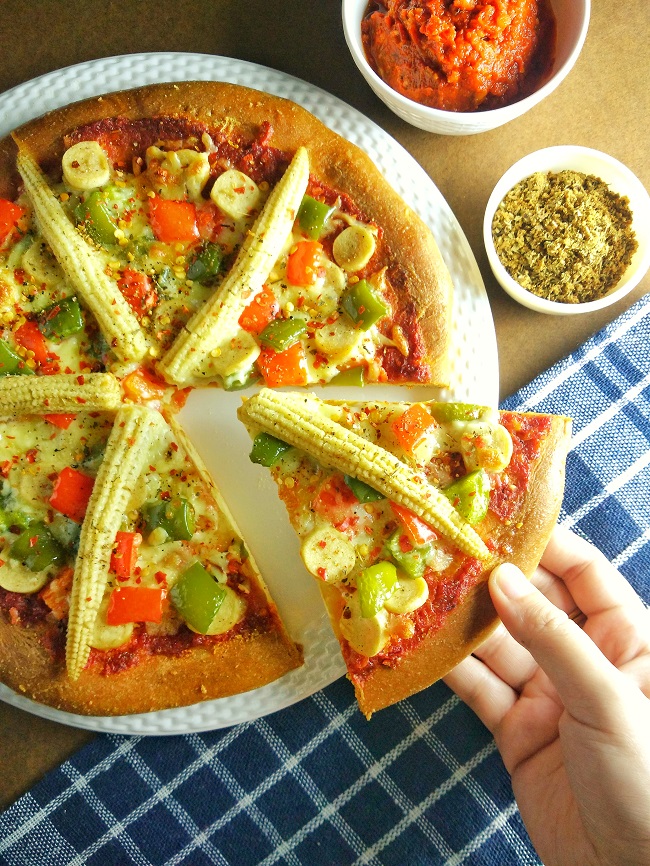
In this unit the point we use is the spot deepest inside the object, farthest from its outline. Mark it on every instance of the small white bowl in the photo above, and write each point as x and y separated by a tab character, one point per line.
572	18
618	177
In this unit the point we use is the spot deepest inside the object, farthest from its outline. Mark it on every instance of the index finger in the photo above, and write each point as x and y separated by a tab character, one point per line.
594	583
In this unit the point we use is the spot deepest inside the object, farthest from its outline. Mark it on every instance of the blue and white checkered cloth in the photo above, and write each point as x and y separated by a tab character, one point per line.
421	784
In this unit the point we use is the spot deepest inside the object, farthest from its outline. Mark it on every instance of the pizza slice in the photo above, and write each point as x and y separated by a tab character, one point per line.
223	235
125	585
402	511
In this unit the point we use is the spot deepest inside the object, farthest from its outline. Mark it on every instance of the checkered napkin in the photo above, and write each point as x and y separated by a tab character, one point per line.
421	784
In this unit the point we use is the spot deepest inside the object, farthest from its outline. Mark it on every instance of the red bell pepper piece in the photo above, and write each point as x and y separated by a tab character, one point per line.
411	427
302	264
173	220
10	213
262	309
30	338
135	604
141	385
138	290
417	530
61	420
283	368
71	493
125	553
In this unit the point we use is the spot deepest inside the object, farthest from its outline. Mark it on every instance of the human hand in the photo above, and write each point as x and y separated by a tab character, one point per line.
569	707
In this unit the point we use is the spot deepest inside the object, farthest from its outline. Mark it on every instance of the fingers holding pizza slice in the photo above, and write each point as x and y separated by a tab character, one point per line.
402	511
225	236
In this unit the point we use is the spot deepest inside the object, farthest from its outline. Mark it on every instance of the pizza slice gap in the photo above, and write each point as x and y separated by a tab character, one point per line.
148	199
125	585
402	510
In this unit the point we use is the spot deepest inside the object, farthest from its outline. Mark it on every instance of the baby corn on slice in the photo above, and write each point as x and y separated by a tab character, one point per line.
135	431
82	266
41	395
297	419
204	349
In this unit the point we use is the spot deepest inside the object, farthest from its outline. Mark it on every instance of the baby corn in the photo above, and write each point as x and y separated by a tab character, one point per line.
207	338
297	419
83	267
42	395
135	430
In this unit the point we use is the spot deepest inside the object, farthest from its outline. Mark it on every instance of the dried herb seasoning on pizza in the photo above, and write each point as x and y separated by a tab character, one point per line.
221	235
402	510
124	584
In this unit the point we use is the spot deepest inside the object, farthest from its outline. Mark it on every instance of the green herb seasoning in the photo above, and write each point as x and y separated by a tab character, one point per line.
564	236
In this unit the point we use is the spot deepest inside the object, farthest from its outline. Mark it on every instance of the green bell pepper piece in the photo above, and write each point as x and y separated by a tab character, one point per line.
352	376
36	548
62	319
470	495
361	303
197	596
175	516
95	214
280	334
237	381
206	263
445	412
11	363
364	492
312	215
375	586
267	450
413	560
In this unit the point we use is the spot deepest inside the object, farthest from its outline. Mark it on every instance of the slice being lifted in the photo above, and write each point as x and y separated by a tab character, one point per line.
126	584
402	511
221	234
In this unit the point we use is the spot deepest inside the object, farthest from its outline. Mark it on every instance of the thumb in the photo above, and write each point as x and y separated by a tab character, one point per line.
587	683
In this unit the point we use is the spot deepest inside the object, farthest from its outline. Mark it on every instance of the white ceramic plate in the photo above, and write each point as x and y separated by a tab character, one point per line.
209	416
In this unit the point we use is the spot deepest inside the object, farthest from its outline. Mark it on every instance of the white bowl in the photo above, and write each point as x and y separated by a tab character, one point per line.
619	179
572	22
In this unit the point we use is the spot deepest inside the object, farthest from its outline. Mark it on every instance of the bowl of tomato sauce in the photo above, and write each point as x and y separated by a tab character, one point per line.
460	67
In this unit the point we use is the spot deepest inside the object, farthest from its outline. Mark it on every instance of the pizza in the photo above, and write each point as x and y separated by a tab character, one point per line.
402	510
199	234
212	234
125	585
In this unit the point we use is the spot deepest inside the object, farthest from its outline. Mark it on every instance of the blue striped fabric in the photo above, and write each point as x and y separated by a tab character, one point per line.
421	784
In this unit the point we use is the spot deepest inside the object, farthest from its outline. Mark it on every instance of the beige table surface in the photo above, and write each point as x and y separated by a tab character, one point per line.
604	103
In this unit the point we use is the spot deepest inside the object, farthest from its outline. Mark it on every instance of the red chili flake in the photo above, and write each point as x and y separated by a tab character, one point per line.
80	380
30	456
165	495
80	400
174	446
5	468
322	573
322	544
33	541
160	577
2	562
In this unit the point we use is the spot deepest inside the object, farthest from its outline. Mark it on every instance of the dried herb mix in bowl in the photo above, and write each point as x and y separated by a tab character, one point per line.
564	236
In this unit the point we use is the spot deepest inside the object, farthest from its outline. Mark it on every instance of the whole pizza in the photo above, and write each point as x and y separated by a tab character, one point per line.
203	234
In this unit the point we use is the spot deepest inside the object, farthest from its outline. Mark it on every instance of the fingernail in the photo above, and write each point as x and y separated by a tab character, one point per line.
511	581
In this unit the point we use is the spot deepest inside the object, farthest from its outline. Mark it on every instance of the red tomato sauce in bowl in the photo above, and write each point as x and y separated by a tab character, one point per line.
460	55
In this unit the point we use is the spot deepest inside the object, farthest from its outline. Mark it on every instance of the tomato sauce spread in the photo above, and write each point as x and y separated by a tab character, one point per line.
460	55
527	433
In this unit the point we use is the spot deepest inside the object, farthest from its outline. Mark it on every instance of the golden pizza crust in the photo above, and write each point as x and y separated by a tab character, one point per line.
475	618
417	267
159	682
